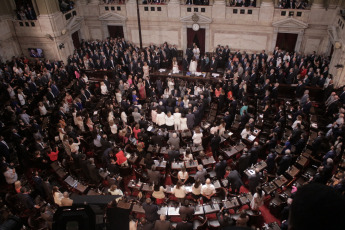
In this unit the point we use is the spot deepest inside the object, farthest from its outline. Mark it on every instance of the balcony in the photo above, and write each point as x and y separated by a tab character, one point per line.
301	15
70	14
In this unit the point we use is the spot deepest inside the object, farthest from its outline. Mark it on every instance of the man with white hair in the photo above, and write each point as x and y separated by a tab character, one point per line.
200	174
66	201
208	190
174	140
162	224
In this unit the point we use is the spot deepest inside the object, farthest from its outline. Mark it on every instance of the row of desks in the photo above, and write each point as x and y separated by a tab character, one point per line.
214	207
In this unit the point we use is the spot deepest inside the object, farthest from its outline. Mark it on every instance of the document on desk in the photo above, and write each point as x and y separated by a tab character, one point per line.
251	138
215	75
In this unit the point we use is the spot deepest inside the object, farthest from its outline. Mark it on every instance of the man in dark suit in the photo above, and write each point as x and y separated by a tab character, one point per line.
184	225
25	199
254	181
154	176
185	63
284	163
150	210
243	161
213	65
4	149
186	211
93	172
215	142
234	180
220	167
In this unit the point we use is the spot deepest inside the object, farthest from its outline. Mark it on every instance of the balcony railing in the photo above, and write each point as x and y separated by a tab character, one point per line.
70	14
113	2
26	23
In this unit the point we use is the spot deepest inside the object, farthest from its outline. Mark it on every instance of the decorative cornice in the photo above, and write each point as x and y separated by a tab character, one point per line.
111	16
202	19
290	23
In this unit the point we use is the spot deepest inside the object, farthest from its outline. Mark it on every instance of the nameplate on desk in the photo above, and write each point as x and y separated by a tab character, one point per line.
162	70
215	75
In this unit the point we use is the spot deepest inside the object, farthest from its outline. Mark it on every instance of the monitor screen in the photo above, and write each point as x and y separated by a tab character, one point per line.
36	53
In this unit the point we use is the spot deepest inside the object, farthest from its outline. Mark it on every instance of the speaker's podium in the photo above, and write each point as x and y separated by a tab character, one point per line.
86	213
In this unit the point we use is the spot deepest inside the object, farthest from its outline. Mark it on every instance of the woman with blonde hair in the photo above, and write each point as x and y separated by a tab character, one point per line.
175	65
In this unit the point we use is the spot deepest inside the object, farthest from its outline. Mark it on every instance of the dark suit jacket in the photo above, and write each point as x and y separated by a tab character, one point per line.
151	212
234	179
154	176
184	226
162	225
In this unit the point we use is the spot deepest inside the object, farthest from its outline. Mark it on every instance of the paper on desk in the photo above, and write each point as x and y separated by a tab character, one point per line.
251	138
162	70
149	128
215	75
230	133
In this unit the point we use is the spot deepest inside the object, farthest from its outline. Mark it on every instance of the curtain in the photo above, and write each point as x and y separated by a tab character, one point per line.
197	37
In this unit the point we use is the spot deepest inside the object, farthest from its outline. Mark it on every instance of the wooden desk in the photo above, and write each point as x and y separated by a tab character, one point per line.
133	159
269	187
217	184
197	148
245	198
198	210
173	211
280	181
138	209
232	203
211	208
164	150
147	188
153	149
208	161
160	165
163	211
191	164
177	165
124	205
168	189
302	161
292	171
240	147
183	76
134	185
229	152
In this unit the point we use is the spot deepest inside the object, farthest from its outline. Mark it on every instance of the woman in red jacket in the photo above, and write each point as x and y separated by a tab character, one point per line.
121	159
53	156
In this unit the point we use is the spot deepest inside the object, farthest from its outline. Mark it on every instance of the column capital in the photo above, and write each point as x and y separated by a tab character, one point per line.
95	2
219	2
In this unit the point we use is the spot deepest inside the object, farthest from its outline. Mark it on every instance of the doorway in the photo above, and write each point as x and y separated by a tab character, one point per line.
115	31
76	40
287	41
197	37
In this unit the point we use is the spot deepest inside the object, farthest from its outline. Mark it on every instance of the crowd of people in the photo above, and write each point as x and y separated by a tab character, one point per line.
53	112
66	5
25	10
293	4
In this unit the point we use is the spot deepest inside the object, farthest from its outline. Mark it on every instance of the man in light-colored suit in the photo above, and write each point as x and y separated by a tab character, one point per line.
66	201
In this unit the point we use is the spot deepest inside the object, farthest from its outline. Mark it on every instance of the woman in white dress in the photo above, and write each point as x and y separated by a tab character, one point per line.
196	52
177	119
21	97
175	65
146	70
171	85
258	199
80	122
185	102
193	65
124	117
57	195
197	136
42	109
183	123
104	89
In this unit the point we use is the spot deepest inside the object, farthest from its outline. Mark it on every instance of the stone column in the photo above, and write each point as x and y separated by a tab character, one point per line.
47	6
6	8
317	4
95	2
218	9
174	10
266	11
